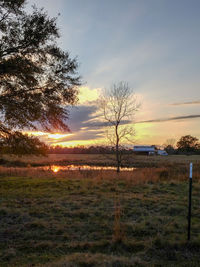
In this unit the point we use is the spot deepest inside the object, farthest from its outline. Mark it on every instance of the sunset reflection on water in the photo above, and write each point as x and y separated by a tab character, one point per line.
57	168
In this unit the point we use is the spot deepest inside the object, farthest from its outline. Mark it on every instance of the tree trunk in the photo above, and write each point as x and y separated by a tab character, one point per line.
117	149
117	158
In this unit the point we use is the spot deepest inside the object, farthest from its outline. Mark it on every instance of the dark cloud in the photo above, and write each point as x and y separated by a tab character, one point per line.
171	119
84	124
80	115
85	117
98	124
196	102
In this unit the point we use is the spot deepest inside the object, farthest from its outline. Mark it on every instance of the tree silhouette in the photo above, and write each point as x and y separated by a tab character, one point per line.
119	106
21	144
169	145
188	143
37	79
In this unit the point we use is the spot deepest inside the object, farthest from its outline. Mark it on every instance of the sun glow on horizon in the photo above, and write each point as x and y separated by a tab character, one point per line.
54	139
55	168
75	143
50	135
58	135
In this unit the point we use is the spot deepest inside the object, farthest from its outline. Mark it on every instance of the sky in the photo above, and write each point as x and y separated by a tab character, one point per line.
151	44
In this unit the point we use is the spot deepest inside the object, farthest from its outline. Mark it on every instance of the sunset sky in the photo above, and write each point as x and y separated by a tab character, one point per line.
151	44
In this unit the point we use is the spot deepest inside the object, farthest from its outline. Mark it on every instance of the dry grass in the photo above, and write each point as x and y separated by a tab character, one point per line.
98	218
137	176
60	158
118	231
105	160
79	218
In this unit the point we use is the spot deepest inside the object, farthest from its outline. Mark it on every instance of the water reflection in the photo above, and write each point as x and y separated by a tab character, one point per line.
57	168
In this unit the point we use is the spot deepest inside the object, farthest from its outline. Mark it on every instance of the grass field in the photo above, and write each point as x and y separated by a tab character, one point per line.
98	218
100	159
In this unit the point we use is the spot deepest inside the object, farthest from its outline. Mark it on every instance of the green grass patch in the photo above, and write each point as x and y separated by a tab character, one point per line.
96	222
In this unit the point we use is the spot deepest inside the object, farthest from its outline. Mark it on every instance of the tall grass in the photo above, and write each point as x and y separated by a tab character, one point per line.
103	160
118	230
137	176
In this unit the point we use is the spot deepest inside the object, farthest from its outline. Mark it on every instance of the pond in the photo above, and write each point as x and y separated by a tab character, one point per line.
57	168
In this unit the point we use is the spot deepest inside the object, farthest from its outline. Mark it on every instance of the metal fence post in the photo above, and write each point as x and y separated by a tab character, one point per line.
190	201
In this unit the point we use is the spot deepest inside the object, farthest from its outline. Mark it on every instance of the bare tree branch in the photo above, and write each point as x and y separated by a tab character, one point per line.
119	104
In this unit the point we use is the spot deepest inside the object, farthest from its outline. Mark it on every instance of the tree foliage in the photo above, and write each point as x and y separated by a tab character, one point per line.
21	144
188	143
37	79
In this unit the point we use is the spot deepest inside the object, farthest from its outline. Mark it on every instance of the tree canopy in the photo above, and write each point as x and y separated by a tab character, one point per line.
21	144
188	143
37	79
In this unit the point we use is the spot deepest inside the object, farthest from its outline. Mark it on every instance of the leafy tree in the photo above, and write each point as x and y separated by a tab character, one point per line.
21	144
37	79
188	143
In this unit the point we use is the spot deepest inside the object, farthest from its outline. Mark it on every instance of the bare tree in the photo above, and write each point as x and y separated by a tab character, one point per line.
169	145
119	105
170	142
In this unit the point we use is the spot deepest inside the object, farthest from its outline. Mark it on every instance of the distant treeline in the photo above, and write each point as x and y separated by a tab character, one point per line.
179	151
86	150
187	145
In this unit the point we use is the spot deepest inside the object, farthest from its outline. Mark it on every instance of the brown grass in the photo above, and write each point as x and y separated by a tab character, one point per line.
135	177
105	160
84	218
118	230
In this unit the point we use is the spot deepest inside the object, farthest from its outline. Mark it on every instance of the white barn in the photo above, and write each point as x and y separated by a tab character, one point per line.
149	150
